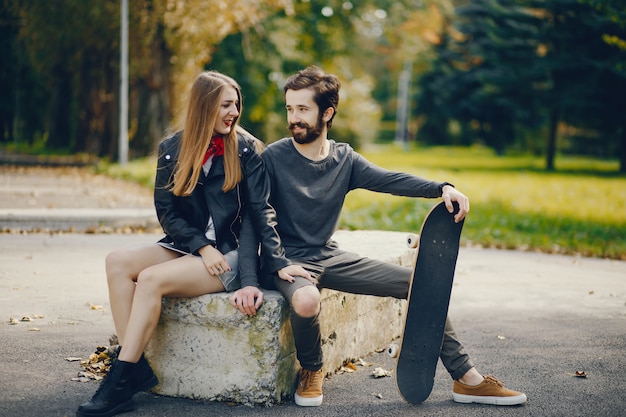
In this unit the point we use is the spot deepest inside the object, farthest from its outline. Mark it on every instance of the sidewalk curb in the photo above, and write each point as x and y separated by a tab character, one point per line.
76	219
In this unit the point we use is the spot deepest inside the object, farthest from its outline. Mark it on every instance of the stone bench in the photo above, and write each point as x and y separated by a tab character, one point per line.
204	349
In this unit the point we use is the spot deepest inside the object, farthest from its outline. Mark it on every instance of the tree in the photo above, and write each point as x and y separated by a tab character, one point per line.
73	68
585	87
516	65
69	65
312	33
609	119
172	42
365	43
481	79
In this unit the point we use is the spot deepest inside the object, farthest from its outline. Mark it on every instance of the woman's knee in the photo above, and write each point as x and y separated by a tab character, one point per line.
306	301
118	265
149	282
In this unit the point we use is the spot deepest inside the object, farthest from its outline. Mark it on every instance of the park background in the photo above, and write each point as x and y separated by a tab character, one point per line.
519	103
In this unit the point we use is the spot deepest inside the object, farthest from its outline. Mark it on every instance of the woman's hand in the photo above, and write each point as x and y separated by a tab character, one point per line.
213	260
247	300
289	272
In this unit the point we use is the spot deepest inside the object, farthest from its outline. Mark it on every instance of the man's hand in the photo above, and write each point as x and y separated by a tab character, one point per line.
289	272
247	300
450	194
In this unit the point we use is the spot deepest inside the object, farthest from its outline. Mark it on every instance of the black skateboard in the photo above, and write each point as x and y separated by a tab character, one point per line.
427	306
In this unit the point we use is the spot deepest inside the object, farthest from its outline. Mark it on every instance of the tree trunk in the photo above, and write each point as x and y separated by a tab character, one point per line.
86	98
110	135
153	94
552	136
622	154
60	120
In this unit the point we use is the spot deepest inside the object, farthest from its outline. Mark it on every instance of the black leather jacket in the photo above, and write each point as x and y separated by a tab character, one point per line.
242	216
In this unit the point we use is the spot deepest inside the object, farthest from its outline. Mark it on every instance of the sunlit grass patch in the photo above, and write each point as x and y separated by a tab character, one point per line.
496	224
142	171
515	204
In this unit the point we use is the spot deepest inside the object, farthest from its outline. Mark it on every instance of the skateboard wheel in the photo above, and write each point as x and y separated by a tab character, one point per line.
393	350
412	240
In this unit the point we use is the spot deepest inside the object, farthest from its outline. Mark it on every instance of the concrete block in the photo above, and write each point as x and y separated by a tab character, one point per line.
355	325
204	349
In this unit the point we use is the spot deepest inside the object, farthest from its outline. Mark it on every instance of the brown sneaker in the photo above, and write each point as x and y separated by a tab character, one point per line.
309	391
490	391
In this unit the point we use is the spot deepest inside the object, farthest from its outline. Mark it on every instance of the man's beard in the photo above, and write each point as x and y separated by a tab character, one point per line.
309	135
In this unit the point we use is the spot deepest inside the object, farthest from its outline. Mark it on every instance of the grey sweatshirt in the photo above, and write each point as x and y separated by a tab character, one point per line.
308	195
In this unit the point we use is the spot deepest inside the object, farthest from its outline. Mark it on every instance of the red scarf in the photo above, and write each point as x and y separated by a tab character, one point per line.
216	148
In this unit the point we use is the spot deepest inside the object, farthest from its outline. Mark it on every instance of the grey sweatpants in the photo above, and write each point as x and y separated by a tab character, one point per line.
349	272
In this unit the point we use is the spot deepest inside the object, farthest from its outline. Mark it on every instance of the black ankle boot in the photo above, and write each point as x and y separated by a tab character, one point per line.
143	377
114	395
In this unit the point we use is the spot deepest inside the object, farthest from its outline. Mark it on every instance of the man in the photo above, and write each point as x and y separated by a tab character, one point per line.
310	176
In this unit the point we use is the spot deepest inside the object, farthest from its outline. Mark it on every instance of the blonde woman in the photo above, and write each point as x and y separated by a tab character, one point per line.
211	198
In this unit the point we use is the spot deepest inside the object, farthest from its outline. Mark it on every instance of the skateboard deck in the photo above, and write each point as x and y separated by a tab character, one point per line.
428	301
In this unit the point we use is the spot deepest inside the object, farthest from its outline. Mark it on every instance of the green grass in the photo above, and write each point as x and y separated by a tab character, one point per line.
141	171
578	209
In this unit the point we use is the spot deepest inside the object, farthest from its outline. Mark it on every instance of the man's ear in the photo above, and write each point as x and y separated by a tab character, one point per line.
328	114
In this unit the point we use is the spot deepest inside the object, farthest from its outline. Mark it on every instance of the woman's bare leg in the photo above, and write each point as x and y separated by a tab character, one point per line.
186	276
122	268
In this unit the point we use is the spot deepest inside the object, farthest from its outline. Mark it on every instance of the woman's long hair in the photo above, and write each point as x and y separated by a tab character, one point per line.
202	112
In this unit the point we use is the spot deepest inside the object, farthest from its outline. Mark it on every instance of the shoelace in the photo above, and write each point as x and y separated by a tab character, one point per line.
310	378
106	385
490	379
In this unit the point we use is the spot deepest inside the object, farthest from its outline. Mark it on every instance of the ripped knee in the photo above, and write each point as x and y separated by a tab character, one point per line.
306	301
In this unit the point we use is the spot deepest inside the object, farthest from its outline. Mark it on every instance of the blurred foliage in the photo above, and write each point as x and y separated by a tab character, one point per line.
508	70
534	76
63	83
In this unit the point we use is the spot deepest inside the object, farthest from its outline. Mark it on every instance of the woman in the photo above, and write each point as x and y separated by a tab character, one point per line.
211	200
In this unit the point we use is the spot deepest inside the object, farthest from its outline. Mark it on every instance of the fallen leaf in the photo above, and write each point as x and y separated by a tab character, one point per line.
361	362
380	396
380	373
345	369
95	307
34	329
26	318
12	321
500	337
580	374
96	365
73	359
